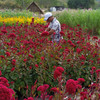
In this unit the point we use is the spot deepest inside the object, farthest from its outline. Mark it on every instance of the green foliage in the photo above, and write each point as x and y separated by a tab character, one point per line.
80	3
23	4
88	19
15	13
8	4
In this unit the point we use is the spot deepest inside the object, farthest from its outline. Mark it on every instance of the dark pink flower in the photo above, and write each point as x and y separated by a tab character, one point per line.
12	35
45	33
71	86
82	63
46	86
4	31
81	80
3	57
13	62
43	88
60	69
82	57
13	69
30	55
62	33
57	74
51	97
4	93
4	81
79	86
25	60
54	89
68	60
12	93
29	98
42	58
97	72
94	37
36	65
0	73
8	54
78	50
30	67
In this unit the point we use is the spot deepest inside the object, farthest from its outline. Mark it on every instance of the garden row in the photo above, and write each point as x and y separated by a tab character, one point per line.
87	19
32	63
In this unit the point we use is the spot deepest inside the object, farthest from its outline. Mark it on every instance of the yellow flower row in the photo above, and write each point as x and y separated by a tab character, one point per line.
11	20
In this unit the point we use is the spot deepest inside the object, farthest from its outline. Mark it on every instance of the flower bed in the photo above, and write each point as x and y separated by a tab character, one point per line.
32	63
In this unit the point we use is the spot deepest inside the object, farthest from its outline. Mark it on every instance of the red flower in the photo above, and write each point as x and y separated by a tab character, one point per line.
82	63
46	86
43	88
79	86
71	86
78	50
93	68
94	37
78	42
12	94
3	57
83	95
62	33
30	67
8	54
0	73
82	57
81	80
54	67
69	99
98	41
51	98
13	62
4	93
25	60
68	60
13	69
12	82
12	35
45	33
60	69
58	72
42	58
69	41
4	81
54	89
97	72
30	55
32	20
4	31
36	65
29	98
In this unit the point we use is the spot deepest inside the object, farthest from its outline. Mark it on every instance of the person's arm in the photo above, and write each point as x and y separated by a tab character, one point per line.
48	29
51	31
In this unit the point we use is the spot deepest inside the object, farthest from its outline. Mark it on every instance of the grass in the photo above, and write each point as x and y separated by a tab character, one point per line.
17	13
89	19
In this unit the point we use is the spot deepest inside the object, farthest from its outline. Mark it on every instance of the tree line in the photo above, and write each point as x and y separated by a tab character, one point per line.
23	4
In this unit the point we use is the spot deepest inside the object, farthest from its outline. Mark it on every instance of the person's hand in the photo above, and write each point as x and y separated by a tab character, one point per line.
39	33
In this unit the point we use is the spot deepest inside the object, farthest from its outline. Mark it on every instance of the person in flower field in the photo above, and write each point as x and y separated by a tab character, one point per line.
54	27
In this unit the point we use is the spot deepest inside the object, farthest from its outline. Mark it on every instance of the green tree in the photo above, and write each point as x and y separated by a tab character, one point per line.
23	3
80	3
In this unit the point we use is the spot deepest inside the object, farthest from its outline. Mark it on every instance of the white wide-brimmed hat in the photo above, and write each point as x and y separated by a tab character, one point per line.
47	15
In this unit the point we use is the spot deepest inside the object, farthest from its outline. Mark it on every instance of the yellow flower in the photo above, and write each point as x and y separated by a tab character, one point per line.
20	19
